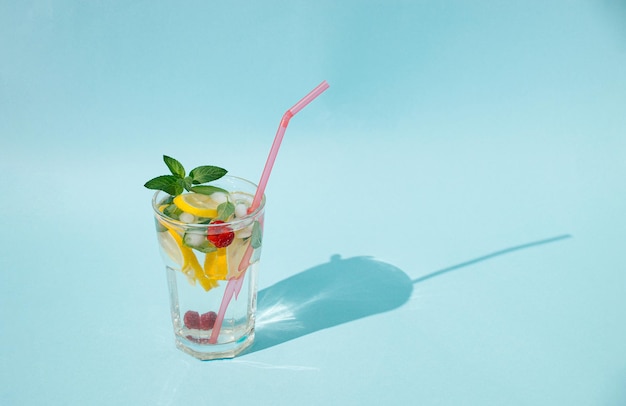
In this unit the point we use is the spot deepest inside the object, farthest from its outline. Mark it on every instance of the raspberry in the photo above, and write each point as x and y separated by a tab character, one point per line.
198	340
220	236
207	320
192	319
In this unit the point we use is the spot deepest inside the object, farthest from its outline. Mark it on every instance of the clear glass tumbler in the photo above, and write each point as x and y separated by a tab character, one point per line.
212	288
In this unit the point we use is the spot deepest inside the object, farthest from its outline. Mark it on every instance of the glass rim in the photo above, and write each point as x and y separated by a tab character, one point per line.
242	221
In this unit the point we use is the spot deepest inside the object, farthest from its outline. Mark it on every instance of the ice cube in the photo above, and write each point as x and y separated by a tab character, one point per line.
219	197
186	217
241	210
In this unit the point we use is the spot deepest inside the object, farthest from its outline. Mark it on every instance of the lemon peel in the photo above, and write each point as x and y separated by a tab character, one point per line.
216	264
190	265
170	247
197	204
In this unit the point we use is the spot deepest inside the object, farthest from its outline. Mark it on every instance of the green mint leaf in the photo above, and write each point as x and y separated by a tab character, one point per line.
206	248
207	189
167	183
175	167
172	211
203	174
191	241
181	184
225	210
187	182
257	235
178	182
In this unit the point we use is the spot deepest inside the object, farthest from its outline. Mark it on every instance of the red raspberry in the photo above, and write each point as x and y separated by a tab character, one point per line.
207	320
192	319
220	236
198	340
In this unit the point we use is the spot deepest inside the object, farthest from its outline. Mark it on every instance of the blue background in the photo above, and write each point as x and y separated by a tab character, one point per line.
445	224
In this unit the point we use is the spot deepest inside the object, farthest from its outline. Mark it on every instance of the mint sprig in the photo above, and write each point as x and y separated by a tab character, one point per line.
178	181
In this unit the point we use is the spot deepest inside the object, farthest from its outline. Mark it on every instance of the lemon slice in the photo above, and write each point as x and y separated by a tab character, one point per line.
216	264
170	247
236	252
197	204
172	244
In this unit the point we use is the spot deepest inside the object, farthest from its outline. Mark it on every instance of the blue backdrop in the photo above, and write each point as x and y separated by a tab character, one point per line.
444	224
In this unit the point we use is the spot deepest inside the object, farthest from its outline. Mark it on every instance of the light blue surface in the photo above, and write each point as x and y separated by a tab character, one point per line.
418	195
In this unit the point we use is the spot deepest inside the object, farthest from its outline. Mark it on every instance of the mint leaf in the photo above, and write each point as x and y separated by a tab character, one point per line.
257	235
187	182
198	242
175	167
208	173
178	182
225	210
168	183
172	211
206	248
207	189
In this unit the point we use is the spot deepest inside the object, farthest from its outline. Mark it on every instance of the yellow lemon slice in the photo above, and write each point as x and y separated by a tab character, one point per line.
197	204
216	264
170	247
236	252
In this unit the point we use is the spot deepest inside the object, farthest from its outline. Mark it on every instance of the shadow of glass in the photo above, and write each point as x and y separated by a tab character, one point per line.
490	256
327	295
341	291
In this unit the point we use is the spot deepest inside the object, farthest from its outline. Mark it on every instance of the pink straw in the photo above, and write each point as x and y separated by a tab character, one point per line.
279	138
234	285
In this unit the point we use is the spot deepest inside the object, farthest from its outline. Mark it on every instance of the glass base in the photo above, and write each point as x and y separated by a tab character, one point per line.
206	352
